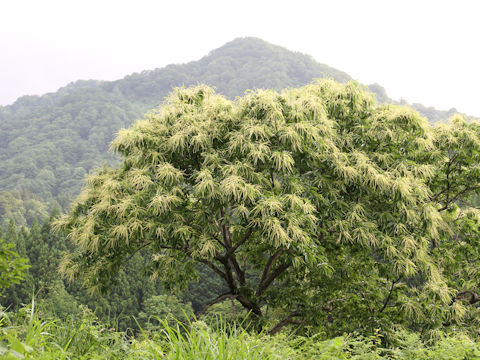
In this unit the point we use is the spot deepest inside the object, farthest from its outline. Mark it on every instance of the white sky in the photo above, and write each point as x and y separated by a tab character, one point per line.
422	51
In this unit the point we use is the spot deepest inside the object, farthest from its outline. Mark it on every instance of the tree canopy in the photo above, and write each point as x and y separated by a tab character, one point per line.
308	201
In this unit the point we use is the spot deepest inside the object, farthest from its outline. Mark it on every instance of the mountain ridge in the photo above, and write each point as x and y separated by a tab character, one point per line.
231	48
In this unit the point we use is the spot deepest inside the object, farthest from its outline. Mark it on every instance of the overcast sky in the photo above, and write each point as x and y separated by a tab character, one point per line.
422	51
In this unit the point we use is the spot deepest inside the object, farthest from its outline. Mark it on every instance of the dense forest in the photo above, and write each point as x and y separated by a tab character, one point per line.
325	210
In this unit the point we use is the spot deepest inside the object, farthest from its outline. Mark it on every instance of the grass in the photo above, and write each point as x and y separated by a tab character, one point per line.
24	335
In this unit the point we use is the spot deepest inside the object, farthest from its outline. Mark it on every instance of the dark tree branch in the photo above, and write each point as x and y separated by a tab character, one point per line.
250	305
437	195
218	240
225	231
230	253
241	242
447	177
269	265
231	260
290	319
213	267
228	259
455	198
449	199
136	251
387	300
228	236
203	261
474	297
270	278
229	277
238	271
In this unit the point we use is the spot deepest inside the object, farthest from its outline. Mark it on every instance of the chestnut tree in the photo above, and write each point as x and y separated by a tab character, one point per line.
312	201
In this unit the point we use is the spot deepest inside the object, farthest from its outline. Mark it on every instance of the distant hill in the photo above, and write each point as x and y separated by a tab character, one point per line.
48	143
433	115
246	63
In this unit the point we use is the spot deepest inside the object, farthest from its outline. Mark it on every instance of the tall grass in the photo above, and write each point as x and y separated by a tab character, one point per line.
23	332
24	335
199	341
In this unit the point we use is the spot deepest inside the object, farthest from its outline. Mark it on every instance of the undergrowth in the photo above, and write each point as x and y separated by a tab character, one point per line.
25	335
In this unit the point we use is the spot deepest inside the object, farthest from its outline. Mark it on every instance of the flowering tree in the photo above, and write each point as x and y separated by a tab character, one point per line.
311	201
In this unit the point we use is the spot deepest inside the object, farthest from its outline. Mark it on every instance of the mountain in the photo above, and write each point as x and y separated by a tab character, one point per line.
50	142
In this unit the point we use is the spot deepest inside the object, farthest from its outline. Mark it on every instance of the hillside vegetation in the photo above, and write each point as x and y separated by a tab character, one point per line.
50	142
311	222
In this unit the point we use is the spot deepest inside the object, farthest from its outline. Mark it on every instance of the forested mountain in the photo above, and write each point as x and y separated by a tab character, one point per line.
48	143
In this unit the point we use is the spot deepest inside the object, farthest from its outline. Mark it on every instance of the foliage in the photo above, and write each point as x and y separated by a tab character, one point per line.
433	115
12	267
313	207
160	308
456	188
24	335
21	207
50	143
289	198
53	296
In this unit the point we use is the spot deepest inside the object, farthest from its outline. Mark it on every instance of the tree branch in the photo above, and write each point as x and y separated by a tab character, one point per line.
250	305
230	254
267	269
447	177
229	277
213	267
240	274
437	195
288	320
473	299
455	198
203	261
225	231
136	251
240	243
385	303
218	240
270	278
269	265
